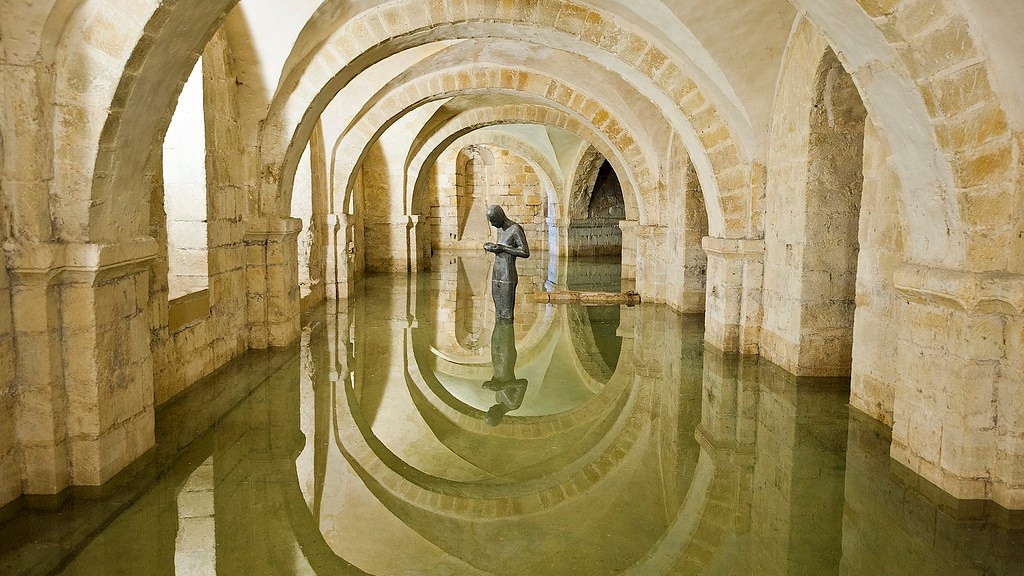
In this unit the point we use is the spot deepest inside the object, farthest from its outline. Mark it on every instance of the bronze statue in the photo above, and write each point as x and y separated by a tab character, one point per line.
511	244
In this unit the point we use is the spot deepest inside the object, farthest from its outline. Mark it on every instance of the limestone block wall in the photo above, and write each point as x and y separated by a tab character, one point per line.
956	414
389	231
10	466
463	185
813	208
687	225
185	193
515	185
309	204
384	226
184	353
594	237
874	374
593	228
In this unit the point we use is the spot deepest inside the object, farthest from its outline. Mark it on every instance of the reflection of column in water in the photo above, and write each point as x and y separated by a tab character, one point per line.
799	473
195	549
508	390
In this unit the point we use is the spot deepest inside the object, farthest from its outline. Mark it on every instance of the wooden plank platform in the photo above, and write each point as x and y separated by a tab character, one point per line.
587	298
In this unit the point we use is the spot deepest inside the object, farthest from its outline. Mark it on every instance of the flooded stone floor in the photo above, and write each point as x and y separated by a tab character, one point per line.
409	435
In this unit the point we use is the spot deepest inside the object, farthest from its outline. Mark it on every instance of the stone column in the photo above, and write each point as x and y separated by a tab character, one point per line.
799	475
10	461
727	433
958	415
272	281
83	365
734	281
651	262
629	241
40	412
415	237
558	236
339	273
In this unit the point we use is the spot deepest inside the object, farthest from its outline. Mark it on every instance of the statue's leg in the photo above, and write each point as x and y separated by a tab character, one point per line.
504	296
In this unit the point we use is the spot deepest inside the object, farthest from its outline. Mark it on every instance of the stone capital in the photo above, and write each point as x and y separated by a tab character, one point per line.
48	263
734	248
651	231
272	230
972	292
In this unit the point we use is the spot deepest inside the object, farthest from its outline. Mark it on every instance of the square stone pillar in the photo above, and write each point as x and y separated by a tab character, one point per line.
958	414
84	369
416	237
340	249
558	236
652	262
629	241
40	426
735	278
272	281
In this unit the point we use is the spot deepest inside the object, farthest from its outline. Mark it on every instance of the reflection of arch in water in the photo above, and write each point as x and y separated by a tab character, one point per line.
444	513
473	298
595	354
471	305
375	462
423	367
463	429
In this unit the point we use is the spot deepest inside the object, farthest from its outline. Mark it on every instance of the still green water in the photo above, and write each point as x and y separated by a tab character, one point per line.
408	435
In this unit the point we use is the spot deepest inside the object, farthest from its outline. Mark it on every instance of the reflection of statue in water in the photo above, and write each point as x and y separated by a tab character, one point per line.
511	244
508	390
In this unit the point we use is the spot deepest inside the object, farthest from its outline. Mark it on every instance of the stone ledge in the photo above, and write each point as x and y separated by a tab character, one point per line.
53	263
272	230
972	292
184	310
744	248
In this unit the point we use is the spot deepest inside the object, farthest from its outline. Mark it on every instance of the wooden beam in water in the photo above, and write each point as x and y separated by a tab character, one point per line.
587	298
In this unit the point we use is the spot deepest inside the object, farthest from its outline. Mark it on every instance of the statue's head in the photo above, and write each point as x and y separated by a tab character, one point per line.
496	216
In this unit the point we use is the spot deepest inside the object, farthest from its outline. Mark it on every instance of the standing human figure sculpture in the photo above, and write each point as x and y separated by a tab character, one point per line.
511	244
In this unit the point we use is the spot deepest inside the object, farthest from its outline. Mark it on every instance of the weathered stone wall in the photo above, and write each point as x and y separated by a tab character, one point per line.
874	374
309	204
813	209
595	211
10	463
687	225
389	231
185	194
199	341
465	181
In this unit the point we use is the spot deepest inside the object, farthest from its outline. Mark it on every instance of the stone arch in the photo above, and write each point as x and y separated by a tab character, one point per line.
813	215
687	227
911	65
427	152
470	174
312	208
550	92
582	183
115	81
447	162
303	96
175	345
